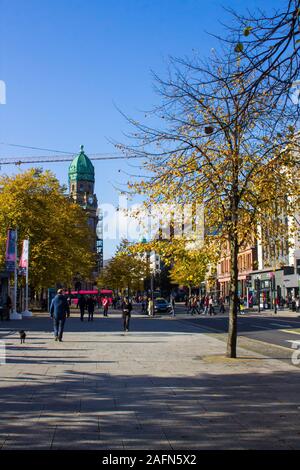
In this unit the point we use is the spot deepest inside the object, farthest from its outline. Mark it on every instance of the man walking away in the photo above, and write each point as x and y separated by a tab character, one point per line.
126	308
81	305
59	310
90	303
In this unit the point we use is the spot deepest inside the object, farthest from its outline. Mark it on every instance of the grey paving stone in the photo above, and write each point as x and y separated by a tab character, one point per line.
150	389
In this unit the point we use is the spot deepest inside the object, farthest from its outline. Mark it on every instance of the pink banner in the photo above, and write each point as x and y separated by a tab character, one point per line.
24	258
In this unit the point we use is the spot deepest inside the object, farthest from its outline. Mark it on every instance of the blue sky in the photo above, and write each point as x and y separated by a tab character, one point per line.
68	63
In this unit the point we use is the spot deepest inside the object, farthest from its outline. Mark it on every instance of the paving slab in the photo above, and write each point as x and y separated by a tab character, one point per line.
164	385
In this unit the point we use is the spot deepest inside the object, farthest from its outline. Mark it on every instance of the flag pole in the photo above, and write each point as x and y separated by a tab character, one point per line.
27	313
15	315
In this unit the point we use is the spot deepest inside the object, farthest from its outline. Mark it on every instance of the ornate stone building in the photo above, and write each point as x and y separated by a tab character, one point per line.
81	189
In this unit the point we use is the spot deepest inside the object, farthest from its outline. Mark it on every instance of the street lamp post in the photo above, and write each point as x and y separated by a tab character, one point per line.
152	293
257	288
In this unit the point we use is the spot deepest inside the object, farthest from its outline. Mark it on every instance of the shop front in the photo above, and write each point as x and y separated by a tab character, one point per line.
267	288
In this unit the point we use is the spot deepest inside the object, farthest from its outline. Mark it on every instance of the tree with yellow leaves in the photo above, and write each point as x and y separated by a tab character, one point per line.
189	270
125	271
188	266
60	240
236	155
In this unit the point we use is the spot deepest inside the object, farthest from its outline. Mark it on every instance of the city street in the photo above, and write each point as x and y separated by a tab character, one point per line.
149	172
281	329
164	385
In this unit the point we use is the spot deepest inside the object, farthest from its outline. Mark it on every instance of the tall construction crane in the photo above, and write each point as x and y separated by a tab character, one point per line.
65	157
56	158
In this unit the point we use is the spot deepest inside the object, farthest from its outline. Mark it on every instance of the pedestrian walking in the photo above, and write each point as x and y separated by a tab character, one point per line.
126	309
222	305
82	306
210	306
173	306
194	306
150	307
173	302
90	303
199	304
172	311
105	304
206	305
59	310
298	304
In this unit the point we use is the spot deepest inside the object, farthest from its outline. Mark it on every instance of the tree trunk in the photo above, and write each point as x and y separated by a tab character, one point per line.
233	309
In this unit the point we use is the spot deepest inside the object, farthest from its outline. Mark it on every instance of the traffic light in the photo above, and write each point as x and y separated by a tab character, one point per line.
257	284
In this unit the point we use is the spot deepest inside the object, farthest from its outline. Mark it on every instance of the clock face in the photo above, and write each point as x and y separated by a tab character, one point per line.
91	200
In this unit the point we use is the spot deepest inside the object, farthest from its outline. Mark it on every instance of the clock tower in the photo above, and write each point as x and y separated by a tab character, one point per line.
81	189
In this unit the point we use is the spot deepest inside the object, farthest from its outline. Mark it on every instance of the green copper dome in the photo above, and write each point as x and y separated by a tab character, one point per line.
81	168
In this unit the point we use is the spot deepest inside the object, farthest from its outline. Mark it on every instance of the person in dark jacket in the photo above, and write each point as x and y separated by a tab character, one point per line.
126	309
90	303
81	305
59	310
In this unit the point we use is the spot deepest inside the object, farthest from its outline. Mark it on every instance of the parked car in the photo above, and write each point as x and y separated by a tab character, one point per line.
162	306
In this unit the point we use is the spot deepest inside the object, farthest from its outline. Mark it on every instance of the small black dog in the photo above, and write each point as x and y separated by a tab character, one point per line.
22	336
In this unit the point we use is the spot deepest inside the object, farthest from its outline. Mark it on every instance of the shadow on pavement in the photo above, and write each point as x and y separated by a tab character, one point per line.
85	411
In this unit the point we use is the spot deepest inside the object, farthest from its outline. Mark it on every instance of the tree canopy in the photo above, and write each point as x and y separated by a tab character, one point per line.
214	143
125	271
60	241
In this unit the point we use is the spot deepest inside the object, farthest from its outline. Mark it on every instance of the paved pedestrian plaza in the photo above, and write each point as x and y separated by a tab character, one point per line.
163	385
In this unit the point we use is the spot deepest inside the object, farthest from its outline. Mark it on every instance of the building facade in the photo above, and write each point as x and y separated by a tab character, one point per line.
269	271
247	263
280	262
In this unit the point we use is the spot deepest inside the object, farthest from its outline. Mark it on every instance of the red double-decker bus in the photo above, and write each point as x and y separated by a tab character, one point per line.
98	294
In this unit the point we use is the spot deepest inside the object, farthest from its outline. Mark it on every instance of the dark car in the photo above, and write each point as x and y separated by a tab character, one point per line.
162	306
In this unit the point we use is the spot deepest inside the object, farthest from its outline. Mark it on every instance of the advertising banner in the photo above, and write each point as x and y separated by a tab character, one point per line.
10	257
24	257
